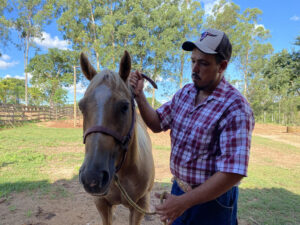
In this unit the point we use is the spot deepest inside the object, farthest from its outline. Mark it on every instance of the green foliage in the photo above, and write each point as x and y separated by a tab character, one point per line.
28	20
51	72
297	41
247	36
11	91
149	30
5	24
283	72
274	93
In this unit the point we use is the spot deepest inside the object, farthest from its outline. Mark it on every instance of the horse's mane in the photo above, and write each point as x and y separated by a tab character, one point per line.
110	78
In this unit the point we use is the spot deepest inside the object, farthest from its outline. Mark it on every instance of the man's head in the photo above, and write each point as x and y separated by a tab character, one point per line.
210	56
213	42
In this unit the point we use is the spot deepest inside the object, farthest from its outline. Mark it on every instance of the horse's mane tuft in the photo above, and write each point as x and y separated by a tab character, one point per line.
111	79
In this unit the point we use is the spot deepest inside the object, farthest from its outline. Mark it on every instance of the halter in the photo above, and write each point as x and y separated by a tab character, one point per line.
122	140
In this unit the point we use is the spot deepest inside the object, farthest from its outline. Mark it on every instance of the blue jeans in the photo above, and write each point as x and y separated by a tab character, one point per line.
221	211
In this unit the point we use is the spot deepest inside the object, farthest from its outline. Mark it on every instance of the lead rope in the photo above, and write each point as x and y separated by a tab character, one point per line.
132	203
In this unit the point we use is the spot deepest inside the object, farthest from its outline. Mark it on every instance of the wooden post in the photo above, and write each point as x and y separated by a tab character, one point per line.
74	96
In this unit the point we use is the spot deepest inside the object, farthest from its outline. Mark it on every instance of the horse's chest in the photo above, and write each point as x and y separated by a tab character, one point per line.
115	197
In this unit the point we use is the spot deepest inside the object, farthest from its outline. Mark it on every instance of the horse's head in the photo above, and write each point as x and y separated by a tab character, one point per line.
107	108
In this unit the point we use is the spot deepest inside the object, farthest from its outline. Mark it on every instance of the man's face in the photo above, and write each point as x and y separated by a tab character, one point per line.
206	73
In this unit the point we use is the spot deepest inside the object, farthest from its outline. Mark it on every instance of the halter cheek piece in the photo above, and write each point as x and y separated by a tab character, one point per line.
122	140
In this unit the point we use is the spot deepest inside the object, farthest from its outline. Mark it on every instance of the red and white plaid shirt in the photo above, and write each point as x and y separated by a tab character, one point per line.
212	136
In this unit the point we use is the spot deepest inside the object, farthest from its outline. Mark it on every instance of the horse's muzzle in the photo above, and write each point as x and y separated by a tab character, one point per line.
95	183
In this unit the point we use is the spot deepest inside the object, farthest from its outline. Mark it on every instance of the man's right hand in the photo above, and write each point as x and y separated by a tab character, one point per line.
137	82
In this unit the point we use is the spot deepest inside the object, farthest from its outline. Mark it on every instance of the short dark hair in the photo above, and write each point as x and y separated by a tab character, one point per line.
219	58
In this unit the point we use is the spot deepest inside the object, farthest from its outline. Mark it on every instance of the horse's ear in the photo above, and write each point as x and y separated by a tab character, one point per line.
86	67
125	66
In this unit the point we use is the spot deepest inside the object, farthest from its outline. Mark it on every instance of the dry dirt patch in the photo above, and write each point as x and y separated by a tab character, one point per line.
277	133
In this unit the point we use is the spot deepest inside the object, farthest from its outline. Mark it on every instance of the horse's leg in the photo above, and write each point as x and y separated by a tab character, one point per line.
105	210
136	217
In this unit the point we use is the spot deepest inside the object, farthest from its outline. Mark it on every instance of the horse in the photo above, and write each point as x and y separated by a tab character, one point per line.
116	143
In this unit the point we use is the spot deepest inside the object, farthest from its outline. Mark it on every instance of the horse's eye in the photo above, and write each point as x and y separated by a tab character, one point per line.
124	107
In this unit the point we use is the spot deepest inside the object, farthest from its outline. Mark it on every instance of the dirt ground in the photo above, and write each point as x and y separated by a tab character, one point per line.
77	207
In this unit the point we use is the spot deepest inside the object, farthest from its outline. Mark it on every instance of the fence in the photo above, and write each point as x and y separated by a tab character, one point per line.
12	115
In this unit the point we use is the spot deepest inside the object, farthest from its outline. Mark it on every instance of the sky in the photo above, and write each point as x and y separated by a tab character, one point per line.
281	18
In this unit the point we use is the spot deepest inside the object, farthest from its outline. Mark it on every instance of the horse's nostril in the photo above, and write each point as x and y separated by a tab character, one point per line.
105	177
93	183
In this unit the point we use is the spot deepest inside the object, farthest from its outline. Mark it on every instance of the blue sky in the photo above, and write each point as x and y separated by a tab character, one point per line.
282	18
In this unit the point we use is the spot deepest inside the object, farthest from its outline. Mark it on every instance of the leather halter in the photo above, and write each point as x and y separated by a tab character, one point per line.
122	140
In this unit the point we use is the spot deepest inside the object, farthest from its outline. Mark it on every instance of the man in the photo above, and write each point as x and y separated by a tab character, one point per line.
211	125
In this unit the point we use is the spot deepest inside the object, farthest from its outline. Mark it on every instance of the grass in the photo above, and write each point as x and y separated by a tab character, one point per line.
34	157
271	192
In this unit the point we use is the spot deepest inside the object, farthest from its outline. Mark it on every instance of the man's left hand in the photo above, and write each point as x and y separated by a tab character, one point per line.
170	209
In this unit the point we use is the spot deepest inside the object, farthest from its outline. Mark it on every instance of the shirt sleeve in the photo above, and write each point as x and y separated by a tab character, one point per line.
235	141
166	111
165	115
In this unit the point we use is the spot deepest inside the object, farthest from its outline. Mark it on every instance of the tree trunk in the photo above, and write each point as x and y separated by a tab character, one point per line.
246	76
112	37
95	37
181	70
279	112
153	89
153	97
25	66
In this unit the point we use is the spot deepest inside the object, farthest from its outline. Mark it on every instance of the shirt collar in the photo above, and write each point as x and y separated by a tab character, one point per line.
220	91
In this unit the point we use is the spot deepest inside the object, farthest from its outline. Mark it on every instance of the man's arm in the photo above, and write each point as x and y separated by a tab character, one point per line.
148	114
214	187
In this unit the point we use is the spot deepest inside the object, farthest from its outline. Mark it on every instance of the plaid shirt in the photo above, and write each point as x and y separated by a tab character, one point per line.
212	136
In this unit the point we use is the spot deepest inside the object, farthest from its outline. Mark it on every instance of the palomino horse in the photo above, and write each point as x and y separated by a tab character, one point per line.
114	143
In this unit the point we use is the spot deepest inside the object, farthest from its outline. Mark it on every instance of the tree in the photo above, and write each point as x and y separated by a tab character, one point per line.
190	20
80	20
297	41
32	15
4	23
11	91
36	96
52	72
248	37
283	75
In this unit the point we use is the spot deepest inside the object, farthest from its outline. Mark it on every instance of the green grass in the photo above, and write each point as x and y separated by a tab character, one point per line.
271	192
27	153
31	156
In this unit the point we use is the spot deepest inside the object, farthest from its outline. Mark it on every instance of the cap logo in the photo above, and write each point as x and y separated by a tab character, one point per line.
205	34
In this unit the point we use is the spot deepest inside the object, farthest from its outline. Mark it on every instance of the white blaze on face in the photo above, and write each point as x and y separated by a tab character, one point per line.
102	97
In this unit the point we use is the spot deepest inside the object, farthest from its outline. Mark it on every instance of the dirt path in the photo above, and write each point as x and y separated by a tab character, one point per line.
277	133
69	204
75	209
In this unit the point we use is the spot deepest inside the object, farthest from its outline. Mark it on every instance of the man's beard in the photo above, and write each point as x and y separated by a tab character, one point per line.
196	76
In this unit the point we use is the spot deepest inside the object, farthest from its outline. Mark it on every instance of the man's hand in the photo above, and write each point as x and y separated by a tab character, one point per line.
137	82
170	209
